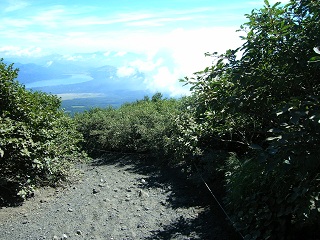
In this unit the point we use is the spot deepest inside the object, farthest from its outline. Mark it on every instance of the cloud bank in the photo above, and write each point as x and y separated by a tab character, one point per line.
164	40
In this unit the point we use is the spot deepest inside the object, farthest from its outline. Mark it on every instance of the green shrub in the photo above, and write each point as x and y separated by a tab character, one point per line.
264	108
145	126
38	141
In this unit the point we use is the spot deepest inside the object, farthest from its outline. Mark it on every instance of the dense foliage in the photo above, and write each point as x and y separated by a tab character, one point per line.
38	141
253	116
145	126
263	108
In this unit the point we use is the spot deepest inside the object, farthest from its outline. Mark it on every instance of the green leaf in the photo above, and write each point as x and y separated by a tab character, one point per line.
295	118
275	130
255	146
314	59
279	113
292	197
274	138
276	5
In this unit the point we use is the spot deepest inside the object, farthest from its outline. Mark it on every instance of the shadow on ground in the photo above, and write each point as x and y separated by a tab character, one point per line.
184	192
8	195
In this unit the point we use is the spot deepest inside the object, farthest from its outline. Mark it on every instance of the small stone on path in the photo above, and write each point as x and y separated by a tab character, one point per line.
95	191
143	194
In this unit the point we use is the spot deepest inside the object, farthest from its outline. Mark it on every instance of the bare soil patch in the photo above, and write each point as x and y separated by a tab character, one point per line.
118	197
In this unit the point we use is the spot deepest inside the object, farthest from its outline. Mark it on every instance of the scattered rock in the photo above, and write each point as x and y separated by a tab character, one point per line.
123	228
163	203
143	194
100	209
95	191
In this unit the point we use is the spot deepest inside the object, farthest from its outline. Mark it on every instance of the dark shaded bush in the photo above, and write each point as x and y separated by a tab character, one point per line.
263	109
38	142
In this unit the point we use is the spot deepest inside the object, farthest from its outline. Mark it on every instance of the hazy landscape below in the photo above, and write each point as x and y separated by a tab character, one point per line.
89	80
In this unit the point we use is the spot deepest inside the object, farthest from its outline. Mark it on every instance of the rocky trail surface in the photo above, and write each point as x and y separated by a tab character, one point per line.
118	197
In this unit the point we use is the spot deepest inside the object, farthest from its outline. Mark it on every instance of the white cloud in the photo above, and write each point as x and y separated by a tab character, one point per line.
16	5
146	66
165	81
260	3
115	19
164	57
157	21
21	52
125	71
120	54
73	57
187	47
168	53
106	54
52	18
49	63
164	78
272	2
9	23
181	53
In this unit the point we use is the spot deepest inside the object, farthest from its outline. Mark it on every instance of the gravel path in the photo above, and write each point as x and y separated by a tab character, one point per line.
118	198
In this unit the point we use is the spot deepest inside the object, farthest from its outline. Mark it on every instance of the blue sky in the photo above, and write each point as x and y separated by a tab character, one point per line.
181	30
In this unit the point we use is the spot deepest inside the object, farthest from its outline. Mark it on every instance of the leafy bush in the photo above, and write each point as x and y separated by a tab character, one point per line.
145	126
38	141
263	107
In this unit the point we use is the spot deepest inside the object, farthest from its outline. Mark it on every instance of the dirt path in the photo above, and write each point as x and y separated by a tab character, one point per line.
117	198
